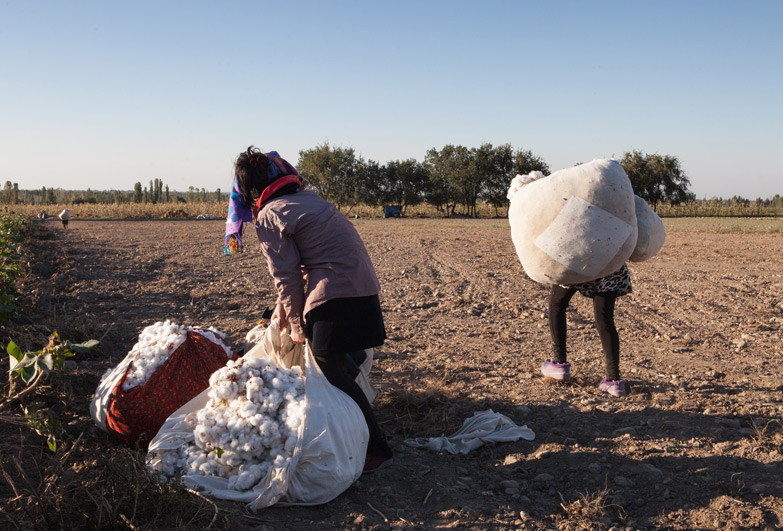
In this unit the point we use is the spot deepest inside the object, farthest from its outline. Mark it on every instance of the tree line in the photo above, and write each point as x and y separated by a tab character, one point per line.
458	176
156	193
453	179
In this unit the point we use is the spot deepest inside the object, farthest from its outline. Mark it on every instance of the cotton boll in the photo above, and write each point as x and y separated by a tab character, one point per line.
290	444
248	409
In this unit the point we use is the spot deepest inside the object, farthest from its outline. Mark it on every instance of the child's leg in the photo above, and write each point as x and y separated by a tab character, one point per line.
336	371
559	298
603	306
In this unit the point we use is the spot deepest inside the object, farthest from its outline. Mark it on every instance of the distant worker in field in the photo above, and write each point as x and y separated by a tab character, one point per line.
64	217
326	283
42	215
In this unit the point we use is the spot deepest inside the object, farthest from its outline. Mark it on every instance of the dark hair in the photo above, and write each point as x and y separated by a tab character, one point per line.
252	172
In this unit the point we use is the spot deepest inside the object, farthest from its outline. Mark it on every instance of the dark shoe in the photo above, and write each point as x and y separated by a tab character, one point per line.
373	463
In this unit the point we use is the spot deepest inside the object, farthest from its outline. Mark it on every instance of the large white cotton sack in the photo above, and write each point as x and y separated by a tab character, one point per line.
652	234
65	214
576	225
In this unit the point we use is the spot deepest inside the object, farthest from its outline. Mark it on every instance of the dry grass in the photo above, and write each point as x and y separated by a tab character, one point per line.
126	210
44	490
91	481
767	435
727	225
587	512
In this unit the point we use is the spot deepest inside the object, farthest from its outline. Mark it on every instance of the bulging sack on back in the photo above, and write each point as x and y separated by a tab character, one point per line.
652	233
166	368
575	225
237	441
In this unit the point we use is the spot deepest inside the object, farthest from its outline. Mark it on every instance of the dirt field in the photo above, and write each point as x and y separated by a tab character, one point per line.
696	445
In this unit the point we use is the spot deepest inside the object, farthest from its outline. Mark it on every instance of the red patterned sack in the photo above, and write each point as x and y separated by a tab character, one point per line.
136	415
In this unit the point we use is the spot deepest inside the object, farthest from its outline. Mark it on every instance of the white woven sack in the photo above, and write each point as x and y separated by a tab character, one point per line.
100	401
652	234
575	225
329	455
256	334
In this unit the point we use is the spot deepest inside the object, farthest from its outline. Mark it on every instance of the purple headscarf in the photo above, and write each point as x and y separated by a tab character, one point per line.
239	212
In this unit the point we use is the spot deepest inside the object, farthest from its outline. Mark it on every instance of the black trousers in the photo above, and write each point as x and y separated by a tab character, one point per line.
603	309
336	329
335	368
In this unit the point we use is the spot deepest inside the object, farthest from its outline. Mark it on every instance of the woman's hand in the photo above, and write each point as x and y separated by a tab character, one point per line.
296	336
279	313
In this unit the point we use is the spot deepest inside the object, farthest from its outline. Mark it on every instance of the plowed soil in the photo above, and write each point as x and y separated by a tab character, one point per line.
696	445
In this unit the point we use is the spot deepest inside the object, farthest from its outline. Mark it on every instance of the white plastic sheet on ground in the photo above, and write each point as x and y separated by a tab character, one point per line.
329	455
484	427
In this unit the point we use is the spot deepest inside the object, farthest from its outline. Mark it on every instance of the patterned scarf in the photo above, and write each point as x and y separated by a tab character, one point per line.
239	212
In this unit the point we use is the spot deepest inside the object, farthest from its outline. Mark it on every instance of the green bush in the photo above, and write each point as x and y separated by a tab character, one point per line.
13	228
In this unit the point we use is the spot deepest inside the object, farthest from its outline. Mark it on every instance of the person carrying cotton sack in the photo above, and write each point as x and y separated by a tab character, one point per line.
64	217
574	231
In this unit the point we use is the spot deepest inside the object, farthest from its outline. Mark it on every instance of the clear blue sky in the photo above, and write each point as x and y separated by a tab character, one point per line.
102	94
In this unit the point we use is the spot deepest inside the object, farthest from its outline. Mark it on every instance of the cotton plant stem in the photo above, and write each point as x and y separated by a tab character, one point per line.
377	511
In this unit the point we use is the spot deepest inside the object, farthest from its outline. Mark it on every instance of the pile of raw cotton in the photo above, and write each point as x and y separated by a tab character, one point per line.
156	343
250	424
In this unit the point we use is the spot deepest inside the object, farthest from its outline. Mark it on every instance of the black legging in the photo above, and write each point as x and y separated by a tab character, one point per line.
603	308
336	370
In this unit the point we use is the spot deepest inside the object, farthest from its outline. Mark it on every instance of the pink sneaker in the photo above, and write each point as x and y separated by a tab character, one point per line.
613	387
558	371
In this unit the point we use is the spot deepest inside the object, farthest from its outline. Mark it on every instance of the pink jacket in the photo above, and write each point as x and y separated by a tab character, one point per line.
305	230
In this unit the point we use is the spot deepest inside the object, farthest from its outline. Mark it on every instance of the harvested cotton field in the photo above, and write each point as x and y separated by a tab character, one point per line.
696	445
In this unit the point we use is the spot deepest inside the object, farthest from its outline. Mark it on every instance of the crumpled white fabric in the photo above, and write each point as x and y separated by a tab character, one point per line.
484	427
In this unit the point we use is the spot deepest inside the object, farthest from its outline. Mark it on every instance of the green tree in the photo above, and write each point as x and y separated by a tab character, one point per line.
505	164
50	197
7	192
332	172
404	183
167	194
450	179
525	162
137	197
657	178
369	183
497	166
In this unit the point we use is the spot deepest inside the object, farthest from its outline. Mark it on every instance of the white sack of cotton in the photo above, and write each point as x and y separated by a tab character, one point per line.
575	225
652	234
